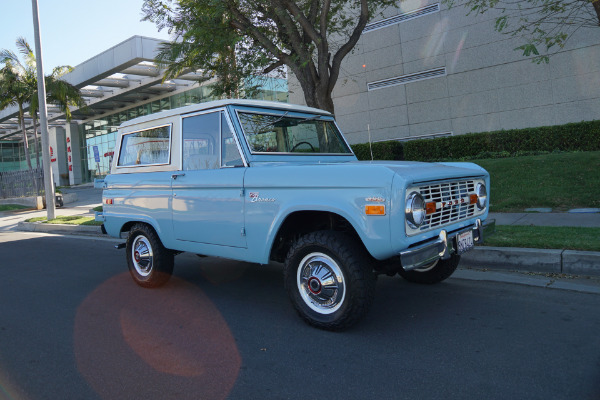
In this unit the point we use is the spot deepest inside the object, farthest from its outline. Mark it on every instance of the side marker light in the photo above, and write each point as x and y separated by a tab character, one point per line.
375	209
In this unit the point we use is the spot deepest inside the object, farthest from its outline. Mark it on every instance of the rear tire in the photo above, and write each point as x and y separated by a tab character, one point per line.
434	273
329	278
150	263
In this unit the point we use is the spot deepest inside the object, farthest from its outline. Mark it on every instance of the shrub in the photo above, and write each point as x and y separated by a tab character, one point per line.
581	136
388	150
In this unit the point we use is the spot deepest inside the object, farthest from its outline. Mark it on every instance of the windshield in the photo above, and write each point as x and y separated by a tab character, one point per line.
267	133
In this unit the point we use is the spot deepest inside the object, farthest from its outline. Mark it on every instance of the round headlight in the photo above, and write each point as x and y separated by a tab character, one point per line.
415	210
481	196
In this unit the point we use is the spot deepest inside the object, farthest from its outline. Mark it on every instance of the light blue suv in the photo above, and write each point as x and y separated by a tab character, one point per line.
262	181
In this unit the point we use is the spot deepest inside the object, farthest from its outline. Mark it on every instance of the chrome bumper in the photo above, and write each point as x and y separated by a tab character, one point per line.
443	247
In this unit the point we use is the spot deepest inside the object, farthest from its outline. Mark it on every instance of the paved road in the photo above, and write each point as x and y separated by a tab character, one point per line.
73	325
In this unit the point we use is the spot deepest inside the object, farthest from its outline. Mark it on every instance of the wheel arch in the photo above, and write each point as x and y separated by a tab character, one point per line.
300	222
126	227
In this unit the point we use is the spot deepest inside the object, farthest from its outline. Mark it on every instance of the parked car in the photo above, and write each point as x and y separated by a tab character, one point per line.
263	181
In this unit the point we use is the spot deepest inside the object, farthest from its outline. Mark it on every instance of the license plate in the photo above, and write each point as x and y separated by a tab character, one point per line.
464	242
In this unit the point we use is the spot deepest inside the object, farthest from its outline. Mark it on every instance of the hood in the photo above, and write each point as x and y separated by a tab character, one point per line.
356	173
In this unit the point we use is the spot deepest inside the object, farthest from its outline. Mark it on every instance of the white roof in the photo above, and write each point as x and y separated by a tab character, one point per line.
222	103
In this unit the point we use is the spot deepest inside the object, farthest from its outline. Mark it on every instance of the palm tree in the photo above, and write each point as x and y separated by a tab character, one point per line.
59	92
14	91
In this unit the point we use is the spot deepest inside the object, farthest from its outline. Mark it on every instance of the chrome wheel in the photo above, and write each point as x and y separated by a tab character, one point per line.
321	283
142	256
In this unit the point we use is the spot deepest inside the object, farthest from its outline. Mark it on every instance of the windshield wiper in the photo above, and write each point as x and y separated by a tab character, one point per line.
314	117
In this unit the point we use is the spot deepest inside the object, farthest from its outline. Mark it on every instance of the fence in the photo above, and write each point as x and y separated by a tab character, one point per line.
21	183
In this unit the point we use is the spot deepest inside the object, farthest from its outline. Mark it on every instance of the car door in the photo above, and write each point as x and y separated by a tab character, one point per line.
208	202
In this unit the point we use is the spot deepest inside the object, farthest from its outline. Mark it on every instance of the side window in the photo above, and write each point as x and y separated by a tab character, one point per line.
230	156
147	147
201	141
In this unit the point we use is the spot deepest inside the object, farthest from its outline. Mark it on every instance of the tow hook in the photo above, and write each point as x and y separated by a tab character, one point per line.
120	246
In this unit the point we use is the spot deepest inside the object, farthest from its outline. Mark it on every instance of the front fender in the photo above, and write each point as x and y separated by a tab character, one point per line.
374	231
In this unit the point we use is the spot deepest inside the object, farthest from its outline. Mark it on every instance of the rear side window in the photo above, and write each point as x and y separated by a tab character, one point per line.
147	147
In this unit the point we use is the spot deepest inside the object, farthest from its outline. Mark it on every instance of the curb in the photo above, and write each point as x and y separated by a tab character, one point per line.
572	262
535	260
59	228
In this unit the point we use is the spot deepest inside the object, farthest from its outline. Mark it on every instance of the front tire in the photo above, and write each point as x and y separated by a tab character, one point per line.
330	280
434	273
150	263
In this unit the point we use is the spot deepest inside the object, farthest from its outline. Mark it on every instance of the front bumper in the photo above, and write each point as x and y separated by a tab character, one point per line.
443	246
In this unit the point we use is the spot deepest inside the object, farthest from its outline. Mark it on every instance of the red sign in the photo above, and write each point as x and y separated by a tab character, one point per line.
69	149
70	168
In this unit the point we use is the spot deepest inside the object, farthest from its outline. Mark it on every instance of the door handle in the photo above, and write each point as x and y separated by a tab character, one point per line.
174	176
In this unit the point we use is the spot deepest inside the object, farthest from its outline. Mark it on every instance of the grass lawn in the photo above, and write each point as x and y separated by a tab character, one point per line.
12	207
68	220
545	237
560	181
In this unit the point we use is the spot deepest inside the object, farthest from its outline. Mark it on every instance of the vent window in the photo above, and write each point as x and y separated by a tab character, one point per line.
404	79
402	17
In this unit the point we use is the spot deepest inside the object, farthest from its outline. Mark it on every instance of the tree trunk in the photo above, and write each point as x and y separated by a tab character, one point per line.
311	92
25	143
596	4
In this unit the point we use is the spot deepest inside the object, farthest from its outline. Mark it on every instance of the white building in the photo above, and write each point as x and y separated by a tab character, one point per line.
424	70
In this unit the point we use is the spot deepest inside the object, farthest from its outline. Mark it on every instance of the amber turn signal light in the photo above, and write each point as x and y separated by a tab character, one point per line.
375	210
473	199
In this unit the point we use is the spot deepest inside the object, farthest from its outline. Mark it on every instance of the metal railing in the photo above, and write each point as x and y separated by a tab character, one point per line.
21	183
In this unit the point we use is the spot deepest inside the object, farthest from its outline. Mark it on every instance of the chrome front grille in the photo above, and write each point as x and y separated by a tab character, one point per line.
452	203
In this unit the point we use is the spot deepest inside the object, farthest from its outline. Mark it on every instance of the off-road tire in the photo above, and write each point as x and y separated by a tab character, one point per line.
328	251
435	273
154	264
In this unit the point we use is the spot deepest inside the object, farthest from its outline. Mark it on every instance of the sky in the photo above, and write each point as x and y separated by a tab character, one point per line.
73	31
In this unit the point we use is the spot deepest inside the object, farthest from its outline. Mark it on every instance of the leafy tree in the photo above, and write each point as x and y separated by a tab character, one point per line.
18	86
235	40
545	23
14	91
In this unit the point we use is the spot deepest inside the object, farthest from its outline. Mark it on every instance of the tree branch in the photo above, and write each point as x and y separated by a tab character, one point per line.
306	25
324	17
349	45
273	67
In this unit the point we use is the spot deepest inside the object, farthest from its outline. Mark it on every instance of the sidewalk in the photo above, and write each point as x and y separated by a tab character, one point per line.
591	220
482	257
86	199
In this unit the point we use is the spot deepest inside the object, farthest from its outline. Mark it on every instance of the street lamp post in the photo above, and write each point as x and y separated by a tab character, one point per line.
48	181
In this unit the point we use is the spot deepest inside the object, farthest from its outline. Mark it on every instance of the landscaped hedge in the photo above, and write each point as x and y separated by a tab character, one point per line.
389	150
581	136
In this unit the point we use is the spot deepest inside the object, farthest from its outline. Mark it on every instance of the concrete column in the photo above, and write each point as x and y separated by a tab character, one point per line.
58	155
73	153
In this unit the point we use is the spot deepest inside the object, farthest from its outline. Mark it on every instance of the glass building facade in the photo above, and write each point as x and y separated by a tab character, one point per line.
12	155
